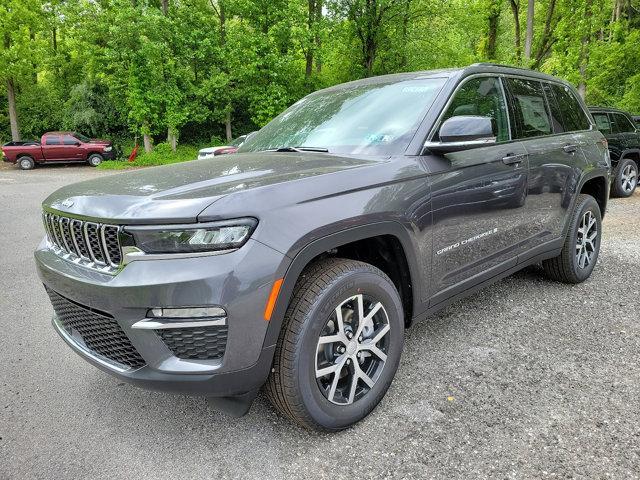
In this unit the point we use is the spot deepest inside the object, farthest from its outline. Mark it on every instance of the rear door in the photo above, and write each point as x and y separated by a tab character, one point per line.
625	128
554	158
52	148
478	196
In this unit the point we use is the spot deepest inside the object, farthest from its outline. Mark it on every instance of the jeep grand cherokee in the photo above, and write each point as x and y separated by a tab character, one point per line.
298	262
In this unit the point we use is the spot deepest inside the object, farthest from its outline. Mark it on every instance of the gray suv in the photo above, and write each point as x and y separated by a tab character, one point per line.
297	263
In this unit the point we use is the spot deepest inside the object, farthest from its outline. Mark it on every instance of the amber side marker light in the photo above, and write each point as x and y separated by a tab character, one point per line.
273	296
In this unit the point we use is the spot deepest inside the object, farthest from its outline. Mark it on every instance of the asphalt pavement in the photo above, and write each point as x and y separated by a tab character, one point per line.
526	379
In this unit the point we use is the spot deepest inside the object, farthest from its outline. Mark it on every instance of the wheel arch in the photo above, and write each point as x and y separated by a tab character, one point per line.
332	244
596	184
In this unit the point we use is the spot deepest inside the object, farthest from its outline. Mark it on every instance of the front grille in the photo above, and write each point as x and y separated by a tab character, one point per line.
201	343
94	245
100	332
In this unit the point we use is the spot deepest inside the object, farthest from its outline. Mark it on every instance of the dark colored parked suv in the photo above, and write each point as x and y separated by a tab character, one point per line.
623	136
299	261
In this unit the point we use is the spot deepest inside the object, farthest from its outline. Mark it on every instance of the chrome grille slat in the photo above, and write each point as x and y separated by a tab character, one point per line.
90	244
78	239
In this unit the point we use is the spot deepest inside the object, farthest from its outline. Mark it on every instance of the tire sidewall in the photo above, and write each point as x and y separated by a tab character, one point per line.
29	163
623	164
95	160
588	204
324	413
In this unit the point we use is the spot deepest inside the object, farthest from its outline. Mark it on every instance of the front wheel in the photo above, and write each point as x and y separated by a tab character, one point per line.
582	244
340	345
95	160
626	178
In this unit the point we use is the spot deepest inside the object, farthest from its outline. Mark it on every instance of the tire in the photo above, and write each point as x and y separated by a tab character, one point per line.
626	178
294	387
578	258
94	159
26	163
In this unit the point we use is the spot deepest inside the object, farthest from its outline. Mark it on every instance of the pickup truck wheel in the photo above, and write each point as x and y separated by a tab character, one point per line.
26	163
339	347
582	244
626	178
94	160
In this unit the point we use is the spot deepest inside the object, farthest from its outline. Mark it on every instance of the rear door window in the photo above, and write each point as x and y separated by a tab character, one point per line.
52	140
573	115
69	140
621	124
483	97
529	108
555	111
602	122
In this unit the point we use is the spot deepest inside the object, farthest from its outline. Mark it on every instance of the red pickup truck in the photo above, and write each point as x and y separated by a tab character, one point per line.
58	147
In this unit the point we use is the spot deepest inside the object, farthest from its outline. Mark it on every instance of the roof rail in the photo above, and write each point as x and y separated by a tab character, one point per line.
490	64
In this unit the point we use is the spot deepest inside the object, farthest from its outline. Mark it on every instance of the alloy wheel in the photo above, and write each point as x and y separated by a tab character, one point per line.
586	240
352	349
629	178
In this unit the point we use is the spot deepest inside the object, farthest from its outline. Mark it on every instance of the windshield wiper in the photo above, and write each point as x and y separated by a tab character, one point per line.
298	149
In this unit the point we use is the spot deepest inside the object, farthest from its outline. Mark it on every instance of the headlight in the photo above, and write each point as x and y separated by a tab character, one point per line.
206	237
107	149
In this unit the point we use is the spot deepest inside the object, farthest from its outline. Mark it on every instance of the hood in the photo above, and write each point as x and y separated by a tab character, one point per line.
99	141
177	193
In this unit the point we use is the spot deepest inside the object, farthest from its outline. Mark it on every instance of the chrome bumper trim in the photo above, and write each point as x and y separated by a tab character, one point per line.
160	324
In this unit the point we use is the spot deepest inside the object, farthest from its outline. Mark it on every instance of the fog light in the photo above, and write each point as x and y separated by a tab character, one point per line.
187	312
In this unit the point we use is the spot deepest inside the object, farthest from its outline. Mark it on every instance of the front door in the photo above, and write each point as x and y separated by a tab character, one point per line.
478	196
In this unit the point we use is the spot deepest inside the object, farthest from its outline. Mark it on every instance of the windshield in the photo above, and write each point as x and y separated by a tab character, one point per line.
82	138
378	118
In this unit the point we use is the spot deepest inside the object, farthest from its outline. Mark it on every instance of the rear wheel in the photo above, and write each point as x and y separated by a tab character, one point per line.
94	160
626	178
582	244
26	163
339	347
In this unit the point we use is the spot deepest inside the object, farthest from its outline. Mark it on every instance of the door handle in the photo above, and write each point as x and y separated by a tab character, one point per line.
511	158
570	148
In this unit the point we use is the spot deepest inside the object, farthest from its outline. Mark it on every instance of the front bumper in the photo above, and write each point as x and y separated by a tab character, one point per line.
240	282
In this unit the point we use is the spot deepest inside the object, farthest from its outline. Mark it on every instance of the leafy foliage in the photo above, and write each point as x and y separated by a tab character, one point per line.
203	69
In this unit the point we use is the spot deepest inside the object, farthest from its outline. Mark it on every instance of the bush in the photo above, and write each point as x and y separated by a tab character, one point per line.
161	155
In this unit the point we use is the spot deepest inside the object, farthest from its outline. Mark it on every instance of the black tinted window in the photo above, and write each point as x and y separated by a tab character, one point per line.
554	109
52	140
573	115
69	140
531	117
482	97
602	122
621	123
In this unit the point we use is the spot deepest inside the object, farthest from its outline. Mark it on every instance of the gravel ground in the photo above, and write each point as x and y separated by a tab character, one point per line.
526	379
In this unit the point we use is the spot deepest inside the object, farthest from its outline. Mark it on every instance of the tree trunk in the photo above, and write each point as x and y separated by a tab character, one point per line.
547	36
165	7
148	142
308	56
227	124
317	36
492	34
13	113
584	49
515	9
528	39
172	138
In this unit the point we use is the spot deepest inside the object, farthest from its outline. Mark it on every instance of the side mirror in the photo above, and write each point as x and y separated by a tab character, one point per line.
77	144
463	132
